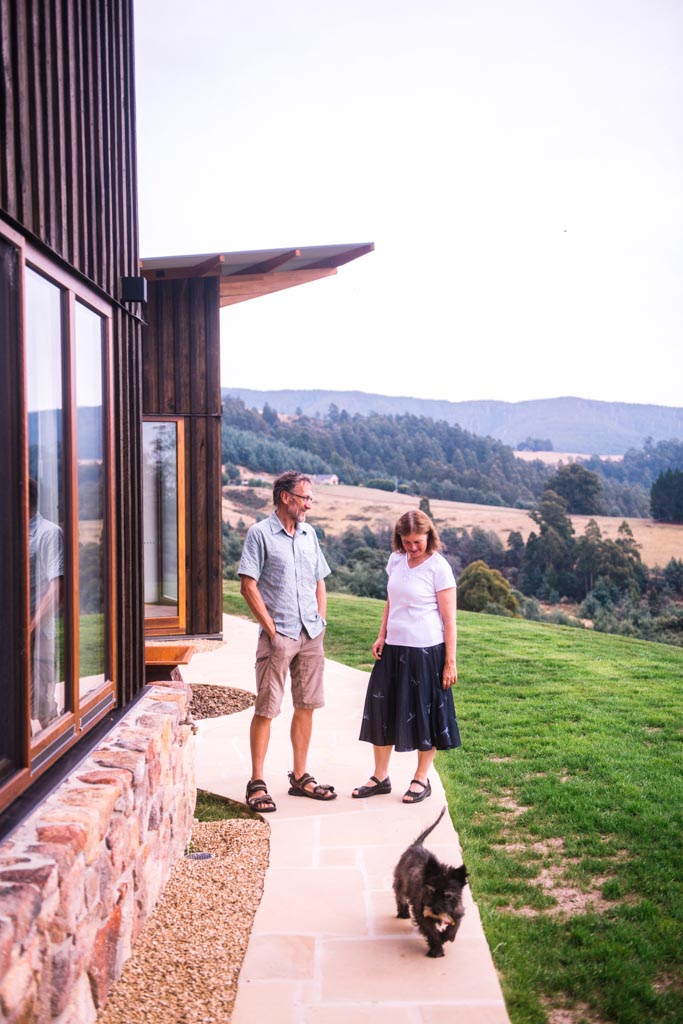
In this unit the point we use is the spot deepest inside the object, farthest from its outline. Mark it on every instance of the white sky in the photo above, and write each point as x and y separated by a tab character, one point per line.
517	163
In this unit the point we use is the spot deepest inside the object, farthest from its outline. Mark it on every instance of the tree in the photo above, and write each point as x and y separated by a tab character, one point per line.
270	415
666	497
588	549
581	489
481	589
673	574
548	566
535	444
551	514
424	507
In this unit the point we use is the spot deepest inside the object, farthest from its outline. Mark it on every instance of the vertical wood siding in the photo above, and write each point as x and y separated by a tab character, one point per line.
67	126
181	377
68	180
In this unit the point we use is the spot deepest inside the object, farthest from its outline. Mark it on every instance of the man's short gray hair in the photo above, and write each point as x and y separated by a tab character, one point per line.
287	482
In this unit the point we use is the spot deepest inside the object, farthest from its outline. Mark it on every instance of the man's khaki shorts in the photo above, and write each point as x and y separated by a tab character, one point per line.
304	659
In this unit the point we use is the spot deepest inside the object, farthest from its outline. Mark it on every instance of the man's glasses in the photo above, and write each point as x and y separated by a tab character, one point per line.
302	497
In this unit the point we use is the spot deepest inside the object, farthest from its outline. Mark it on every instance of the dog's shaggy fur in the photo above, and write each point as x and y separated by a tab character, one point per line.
432	891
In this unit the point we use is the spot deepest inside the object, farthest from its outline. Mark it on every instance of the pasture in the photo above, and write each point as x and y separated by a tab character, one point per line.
336	508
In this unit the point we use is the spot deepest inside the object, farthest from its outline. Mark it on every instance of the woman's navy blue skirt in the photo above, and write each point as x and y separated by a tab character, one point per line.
406	706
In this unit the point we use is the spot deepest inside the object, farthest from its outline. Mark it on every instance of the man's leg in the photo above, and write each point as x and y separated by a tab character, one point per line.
300	733
272	662
259	738
307	694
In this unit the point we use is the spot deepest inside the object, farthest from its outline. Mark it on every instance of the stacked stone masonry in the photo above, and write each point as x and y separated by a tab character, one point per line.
80	877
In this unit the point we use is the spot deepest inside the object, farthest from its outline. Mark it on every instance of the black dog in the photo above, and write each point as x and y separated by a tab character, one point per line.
432	891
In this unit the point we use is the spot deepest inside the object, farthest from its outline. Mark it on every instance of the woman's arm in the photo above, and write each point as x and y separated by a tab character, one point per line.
378	645
448	606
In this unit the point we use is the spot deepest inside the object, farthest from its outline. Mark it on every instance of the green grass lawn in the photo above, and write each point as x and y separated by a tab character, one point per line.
567	795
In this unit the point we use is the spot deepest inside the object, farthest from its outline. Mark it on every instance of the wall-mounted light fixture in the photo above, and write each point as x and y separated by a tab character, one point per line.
133	289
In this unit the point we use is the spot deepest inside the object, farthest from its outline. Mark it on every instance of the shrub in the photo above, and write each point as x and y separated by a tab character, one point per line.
481	588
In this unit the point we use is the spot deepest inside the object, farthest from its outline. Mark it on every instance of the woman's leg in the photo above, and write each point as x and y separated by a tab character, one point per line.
382	757
425	760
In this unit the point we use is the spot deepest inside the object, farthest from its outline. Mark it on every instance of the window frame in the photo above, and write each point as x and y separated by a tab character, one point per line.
174	625
36	754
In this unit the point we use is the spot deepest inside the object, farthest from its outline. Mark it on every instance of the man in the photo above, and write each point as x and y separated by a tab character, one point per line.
282	572
46	559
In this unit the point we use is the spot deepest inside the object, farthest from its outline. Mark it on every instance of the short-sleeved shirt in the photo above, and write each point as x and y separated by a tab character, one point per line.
46	555
414	618
286	569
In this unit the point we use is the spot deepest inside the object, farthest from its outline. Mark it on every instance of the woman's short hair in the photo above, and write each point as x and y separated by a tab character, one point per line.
415	521
287	482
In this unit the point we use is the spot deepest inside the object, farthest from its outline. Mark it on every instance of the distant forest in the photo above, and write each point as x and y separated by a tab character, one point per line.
568	424
432	458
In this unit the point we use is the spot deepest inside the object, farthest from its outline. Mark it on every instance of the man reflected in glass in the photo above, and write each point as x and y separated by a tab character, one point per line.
46	556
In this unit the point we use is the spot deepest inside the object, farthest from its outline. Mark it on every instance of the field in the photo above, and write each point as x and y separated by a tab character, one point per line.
338	507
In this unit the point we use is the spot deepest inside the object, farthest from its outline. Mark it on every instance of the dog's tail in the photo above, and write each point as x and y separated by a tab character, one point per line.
423	835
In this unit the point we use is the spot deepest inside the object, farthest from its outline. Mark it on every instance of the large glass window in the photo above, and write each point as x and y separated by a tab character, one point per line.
43	317
91	548
163	491
57	554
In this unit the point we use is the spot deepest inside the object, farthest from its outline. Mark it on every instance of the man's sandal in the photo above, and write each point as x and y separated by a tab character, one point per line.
319	792
263	804
380	787
410	797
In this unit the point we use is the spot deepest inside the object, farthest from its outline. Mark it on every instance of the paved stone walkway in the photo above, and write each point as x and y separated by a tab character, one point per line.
326	946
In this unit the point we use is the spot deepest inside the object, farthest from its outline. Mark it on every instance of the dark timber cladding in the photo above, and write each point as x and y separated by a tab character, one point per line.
68	182
181	377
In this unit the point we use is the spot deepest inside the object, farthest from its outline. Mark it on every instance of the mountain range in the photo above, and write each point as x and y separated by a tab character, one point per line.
577	425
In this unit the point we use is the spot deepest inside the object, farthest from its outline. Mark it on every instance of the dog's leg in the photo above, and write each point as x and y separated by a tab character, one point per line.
402	905
402	908
435	948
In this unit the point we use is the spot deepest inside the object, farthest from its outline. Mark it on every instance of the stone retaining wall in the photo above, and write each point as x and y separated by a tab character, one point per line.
82	874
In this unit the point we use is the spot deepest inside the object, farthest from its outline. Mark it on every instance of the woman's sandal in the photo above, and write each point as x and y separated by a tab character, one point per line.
410	797
382	787
319	792
263	804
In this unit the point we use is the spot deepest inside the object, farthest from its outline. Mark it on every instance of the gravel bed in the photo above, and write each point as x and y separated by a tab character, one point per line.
187	959
212	701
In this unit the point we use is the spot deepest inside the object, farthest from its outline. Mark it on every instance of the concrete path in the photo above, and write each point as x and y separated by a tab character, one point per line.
326	946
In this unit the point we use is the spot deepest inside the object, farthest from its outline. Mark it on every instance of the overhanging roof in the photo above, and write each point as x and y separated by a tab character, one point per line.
248	275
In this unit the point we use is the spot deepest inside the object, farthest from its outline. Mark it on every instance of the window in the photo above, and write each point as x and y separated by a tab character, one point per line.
60	540
163	474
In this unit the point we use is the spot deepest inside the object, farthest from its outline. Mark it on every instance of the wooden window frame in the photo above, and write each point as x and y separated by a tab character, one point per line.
174	625
35	754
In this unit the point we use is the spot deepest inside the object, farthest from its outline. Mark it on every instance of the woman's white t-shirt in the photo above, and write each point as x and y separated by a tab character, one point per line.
414	619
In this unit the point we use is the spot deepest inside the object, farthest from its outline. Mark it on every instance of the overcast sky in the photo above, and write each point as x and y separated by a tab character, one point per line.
517	163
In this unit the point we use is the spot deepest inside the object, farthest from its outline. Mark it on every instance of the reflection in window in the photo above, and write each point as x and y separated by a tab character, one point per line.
46	512
90	448
160	486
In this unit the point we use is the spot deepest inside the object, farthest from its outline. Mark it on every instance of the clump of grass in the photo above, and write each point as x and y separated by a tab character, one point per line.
211	807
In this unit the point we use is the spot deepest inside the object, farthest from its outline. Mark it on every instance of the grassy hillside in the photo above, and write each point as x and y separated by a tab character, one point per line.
568	798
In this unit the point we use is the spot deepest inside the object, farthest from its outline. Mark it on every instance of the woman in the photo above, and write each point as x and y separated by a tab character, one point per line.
409	703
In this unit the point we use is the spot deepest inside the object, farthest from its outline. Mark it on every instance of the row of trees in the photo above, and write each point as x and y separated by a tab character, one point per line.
604	580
